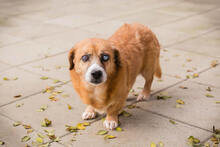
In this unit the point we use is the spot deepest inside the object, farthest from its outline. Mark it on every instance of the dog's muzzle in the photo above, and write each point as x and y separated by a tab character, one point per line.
95	74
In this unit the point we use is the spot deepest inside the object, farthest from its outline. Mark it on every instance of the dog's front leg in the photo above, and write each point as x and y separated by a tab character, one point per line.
89	113
111	121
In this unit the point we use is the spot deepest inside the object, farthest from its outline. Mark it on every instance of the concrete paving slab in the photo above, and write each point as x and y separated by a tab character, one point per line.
9	39
180	63
210	77
21	83
12	136
3	66
186	8
148	17
57	111
56	67
141	129
207	44
198	110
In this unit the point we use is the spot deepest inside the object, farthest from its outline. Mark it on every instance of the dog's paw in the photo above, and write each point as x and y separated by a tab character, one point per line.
110	124
88	115
142	97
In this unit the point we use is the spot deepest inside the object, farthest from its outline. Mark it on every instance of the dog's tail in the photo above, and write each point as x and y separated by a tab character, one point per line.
158	72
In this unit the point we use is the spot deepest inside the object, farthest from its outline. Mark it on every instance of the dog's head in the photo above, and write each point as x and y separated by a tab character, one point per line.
95	60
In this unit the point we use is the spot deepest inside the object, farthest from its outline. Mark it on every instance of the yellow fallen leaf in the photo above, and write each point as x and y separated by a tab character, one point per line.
214	63
209	95
118	129
126	114
86	123
69	107
60	91
39	140
29	131
195	75
2	142
46	122
17	123
19	105
6	79
102	132
179	101
172	122
56	81
192	140
217	102
153	144
188	76
80	126
188	60
109	137
71	128
209	89
27	126
25	139
44	78
42	108
161	144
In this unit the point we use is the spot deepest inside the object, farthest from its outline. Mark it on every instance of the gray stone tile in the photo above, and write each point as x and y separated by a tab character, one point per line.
198	109
75	20
141	129
149	18
56	67
207	44
210	77
26	84
57	111
181	63
186	8
192	25
12	135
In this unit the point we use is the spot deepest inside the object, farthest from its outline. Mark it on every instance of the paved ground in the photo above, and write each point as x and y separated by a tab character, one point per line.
35	36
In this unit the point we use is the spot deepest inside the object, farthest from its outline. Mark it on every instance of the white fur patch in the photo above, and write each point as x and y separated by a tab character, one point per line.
110	124
88	115
95	67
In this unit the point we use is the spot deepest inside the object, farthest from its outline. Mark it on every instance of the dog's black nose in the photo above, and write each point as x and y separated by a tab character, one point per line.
97	74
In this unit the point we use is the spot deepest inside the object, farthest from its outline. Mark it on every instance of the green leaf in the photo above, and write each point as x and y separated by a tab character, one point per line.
102	132
25	139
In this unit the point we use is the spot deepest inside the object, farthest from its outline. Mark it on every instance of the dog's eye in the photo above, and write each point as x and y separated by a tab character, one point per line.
85	58
104	57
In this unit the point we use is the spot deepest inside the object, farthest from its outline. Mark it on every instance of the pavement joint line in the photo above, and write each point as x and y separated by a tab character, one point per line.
204	84
170	118
189	16
192	37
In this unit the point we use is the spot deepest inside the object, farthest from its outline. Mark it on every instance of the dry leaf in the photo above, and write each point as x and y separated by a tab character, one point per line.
163	97
193	141
118	129
102	132
132	106
19	105
46	122
188	76
160	144
2	142
48	89
217	102
153	144
17	96
25	139
109	137
30	131
6	79
188	60
125	114
209	89
69	107
42	108
179	101
39	140
214	63
172	122
195	75
183	87
17	123
56	81
80	126
86	123
44	78
71	128
27	126
209	95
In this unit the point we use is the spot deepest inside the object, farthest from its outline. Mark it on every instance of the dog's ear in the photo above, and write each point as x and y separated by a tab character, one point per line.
71	57
117	59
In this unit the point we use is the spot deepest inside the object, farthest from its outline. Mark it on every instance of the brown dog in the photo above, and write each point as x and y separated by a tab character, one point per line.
104	71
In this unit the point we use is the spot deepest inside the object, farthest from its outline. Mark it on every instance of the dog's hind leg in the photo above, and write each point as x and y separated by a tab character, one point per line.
145	94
